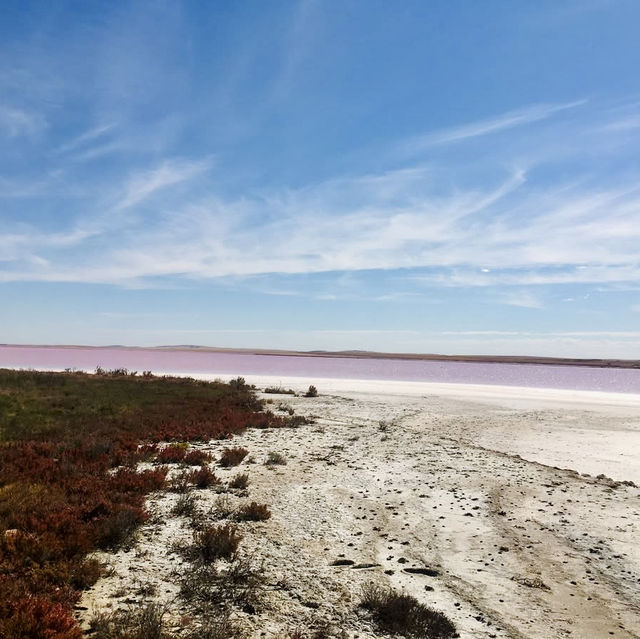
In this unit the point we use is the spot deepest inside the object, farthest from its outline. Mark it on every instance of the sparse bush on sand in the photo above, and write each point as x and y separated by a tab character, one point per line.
204	477
399	613
143	623
275	459
186	505
216	542
210	585
312	392
253	512
232	456
241	480
279	390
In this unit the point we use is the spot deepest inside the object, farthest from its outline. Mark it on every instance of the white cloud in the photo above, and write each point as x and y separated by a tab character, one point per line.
509	120
18	122
525	299
171	172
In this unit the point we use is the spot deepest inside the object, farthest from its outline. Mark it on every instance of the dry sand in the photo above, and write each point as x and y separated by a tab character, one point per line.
480	485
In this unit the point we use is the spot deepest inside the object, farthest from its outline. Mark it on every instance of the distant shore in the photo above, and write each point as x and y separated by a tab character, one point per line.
356	354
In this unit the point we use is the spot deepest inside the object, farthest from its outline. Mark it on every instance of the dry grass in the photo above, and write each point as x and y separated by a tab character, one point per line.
399	613
144	623
275	459
241	481
216	542
232	456
253	512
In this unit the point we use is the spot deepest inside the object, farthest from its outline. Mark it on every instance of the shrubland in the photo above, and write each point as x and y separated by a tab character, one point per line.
70	444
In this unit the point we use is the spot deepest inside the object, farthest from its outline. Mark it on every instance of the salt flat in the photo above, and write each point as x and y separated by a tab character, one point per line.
469	498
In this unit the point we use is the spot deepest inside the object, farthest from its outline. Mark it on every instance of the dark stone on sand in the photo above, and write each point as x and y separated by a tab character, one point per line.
430	572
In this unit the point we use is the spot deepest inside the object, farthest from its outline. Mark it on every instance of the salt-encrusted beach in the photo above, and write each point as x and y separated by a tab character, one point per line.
470	498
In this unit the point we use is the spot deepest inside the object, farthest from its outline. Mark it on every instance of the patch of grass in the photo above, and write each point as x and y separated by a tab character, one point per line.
241	480
275	459
208	585
253	512
180	483
143	623
399	613
223	507
218	626
232	456
186	506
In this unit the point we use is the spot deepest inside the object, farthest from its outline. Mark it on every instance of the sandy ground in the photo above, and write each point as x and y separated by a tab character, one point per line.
479	485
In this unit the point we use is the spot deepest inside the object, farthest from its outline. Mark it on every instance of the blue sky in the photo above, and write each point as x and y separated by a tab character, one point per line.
446	176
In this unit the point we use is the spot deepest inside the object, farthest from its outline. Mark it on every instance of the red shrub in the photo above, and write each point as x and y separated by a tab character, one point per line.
68	479
204	477
196	458
171	454
37	618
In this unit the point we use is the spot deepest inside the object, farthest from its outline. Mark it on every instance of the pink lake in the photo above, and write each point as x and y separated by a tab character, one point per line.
193	362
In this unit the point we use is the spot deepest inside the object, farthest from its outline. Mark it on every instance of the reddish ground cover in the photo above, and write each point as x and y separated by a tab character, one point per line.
69	447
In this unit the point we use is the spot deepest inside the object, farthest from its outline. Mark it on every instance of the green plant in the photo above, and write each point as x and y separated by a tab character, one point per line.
279	390
186	505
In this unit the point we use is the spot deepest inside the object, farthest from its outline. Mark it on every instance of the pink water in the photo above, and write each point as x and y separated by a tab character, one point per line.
192	362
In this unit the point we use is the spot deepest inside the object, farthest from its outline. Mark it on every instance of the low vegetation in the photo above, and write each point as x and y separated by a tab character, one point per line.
253	512
204	477
402	614
70	444
135	623
216	542
279	390
240	481
232	456
311	392
275	459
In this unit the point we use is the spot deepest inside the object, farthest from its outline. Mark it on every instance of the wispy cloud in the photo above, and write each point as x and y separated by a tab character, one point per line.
525	299
167	218
87	137
15	122
171	172
509	120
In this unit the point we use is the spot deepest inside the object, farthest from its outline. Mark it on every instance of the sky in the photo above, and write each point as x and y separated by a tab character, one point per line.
449	176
